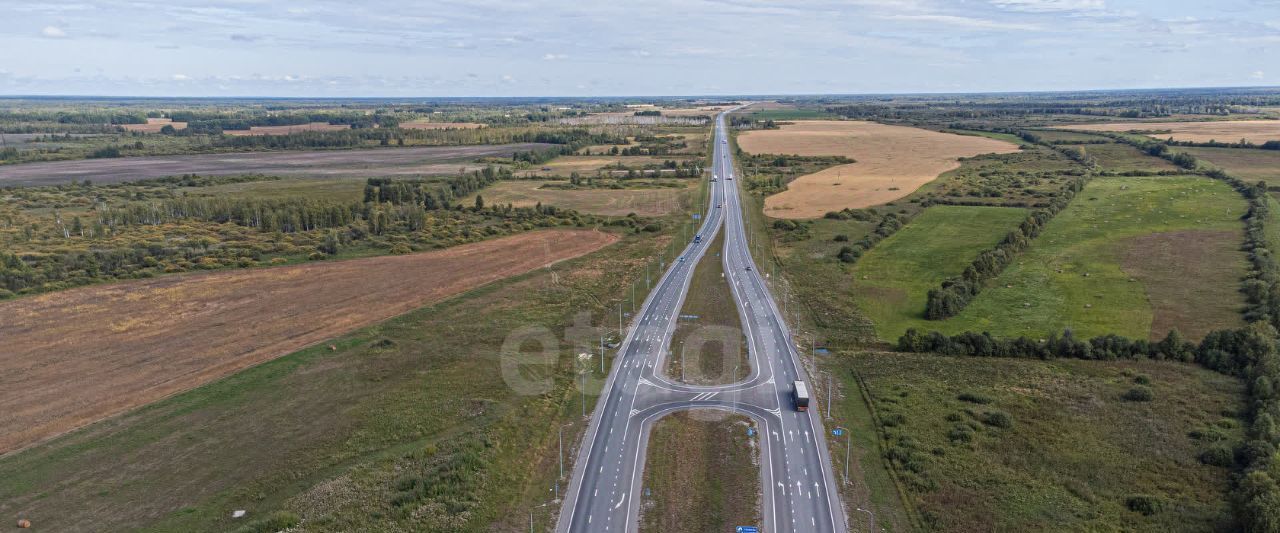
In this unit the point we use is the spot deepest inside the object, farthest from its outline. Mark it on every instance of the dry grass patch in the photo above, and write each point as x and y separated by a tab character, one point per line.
892	162
154	125
1164	262
1254	131
145	340
285	130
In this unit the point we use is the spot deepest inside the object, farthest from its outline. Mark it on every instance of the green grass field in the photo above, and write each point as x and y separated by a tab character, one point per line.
1116	157
1247	164
894	278
702	474
1067	454
412	424
1117	261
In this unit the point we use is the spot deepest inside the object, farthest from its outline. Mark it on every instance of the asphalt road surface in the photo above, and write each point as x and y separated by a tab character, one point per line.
796	475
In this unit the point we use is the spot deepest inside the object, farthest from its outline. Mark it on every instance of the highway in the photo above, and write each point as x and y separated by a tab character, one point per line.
799	491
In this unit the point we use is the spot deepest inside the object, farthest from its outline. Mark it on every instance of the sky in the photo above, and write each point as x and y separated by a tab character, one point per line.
325	48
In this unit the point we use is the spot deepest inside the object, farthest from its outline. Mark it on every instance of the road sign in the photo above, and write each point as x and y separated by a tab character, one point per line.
748	529
751	432
837	432
697	216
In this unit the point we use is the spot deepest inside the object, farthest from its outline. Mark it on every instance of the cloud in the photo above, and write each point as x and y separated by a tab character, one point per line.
553	57
53	32
963	22
243	38
181	77
1257	75
508	78
1049	6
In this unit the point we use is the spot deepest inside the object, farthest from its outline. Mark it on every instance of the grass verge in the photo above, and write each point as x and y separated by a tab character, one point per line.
707	346
702	473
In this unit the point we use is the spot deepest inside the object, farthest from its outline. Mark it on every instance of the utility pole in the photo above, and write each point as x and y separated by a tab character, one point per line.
847	452
829	393
873	518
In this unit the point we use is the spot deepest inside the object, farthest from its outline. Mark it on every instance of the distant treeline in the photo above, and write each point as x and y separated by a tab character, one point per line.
431	194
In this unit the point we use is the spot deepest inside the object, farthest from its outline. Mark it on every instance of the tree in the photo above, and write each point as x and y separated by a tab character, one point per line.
479	202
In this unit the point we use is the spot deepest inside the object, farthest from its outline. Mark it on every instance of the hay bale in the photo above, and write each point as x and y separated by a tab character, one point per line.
24	524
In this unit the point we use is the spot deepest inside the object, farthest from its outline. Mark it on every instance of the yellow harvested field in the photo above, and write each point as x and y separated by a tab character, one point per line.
1254	131
285	130
154	125
428	125
607	202
891	162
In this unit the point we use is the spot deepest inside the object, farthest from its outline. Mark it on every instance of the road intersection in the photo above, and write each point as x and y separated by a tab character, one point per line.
799	491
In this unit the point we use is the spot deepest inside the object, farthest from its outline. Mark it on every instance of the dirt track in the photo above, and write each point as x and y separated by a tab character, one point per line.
74	357
428	160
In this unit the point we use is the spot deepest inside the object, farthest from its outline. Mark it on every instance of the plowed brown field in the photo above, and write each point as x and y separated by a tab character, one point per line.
74	357
892	162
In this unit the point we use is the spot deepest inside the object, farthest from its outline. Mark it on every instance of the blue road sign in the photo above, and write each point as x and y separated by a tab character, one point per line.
751	432
748	529
697	216
837	432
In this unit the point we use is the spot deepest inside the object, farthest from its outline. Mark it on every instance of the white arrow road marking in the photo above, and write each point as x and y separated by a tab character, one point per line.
624	498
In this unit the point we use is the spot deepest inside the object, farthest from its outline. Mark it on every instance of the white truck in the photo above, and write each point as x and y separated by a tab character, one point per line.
800	393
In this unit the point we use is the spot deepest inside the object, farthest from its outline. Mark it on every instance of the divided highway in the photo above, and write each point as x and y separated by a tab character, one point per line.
796	475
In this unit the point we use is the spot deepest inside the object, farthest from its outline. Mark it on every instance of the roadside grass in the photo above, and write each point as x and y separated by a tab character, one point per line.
702	473
1065	452
712	344
1247	164
415	423
789	114
892	280
1079	275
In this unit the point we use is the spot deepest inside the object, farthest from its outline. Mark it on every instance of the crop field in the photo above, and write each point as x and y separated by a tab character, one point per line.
655	201
433	160
428	125
892	162
1254	131
701	474
285	130
154	125
1246	164
893	278
343	435
991	444
145	340
1117	260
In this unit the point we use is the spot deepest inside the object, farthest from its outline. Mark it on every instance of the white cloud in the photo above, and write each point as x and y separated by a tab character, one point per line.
508	78
553	57
1049	6
1257	75
181	77
964	22
53	32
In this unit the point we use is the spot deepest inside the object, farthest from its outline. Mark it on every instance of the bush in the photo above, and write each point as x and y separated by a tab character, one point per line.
1138	394
1143	504
973	398
841	238
1218	456
960	434
998	419
1142	379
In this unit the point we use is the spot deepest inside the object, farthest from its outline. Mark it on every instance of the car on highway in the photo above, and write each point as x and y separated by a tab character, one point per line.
718	206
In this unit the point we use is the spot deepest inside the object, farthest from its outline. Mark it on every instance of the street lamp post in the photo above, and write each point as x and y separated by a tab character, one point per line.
562	426
873	518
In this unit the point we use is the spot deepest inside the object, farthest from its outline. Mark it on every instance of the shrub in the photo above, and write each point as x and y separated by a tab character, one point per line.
841	238
998	419
1218	456
1138	394
1142	379
973	398
960	434
1143	504
893	420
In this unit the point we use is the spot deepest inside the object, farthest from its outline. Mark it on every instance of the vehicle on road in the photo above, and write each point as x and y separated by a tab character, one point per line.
697	238
800	393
